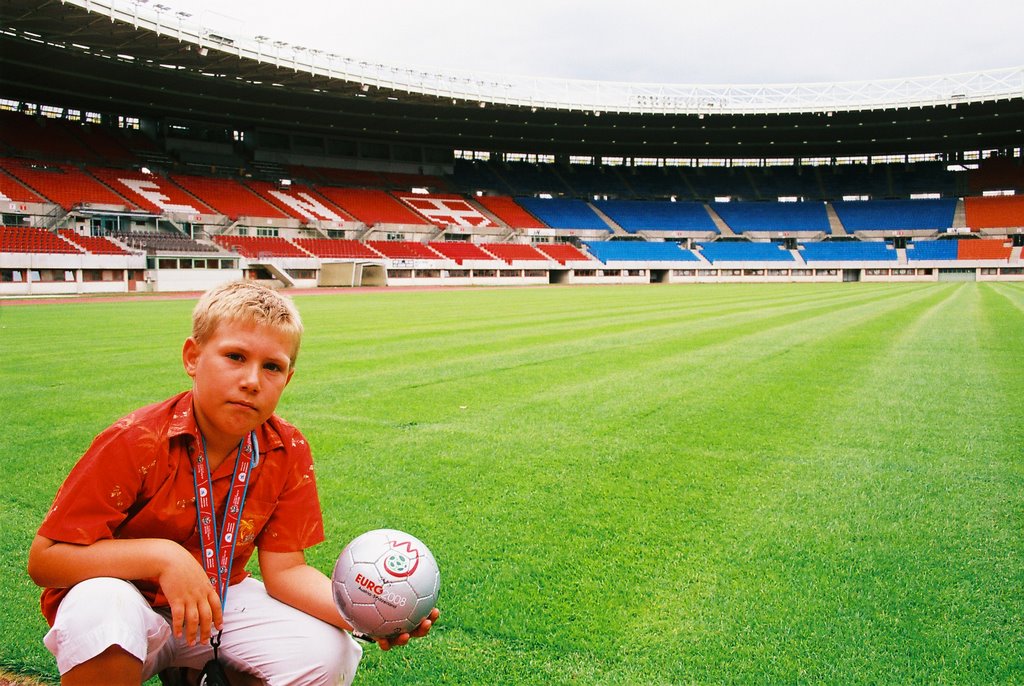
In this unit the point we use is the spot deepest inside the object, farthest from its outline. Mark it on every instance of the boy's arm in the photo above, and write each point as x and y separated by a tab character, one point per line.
195	607
289	579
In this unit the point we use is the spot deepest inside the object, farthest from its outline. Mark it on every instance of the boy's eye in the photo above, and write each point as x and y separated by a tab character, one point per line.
234	356
272	366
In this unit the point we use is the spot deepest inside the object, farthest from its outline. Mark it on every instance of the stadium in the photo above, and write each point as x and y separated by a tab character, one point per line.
143	153
680	384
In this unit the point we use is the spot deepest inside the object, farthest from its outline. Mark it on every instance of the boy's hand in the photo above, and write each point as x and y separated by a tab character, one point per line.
418	632
195	606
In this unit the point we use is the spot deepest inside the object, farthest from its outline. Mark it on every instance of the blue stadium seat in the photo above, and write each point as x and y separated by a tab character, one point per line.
932	250
773	216
890	215
639	251
848	251
744	252
563	213
658	215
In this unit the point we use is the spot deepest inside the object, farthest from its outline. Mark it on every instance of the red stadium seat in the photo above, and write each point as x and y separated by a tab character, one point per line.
994	212
14	190
507	210
446	210
460	251
151	192
63	184
371	206
515	252
404	250
228	197
259	247
984	249
562	252
298	201
15	239
97	245
338	248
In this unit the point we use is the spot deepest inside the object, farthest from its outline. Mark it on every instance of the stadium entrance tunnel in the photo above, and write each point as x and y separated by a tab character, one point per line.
352	274
558	276
659	276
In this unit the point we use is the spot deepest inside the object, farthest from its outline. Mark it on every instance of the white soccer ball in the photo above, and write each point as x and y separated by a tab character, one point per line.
385	582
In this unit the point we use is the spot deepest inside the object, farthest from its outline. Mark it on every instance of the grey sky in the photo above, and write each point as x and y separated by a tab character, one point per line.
713	42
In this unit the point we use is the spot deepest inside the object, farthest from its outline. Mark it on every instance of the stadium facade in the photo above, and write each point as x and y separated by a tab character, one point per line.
144	152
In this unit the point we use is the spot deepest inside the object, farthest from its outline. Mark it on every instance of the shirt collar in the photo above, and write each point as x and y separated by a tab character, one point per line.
183	423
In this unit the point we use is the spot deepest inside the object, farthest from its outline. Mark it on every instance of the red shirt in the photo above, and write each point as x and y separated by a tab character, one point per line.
135	481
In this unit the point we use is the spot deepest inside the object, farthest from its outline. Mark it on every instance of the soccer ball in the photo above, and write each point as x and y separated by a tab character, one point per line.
385	583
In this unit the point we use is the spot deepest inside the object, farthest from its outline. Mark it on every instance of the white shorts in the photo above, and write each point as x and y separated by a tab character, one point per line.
262	636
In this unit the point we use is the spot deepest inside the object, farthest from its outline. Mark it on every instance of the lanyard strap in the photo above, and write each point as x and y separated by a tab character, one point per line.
218	544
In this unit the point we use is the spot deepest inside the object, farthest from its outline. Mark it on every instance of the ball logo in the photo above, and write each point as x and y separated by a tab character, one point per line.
403	559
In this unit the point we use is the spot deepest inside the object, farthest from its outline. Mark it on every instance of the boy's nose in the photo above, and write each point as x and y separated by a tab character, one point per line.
251	378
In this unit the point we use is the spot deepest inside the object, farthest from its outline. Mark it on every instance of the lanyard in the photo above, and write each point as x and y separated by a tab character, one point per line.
218	545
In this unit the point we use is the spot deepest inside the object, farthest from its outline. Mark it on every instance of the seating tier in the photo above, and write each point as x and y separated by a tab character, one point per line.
891	215
338	248
658	215
259	247
515	252
298	201
371	206
984	249
446	210
97	245
563	213
460	251
150	192
507	210
26	239
742	217
931	250
562	252
848	251
13	190
63	184
404	250
228	197
639	251
995	212
744	252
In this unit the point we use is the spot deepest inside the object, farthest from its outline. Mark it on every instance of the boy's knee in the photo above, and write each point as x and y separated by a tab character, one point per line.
327	656
98	614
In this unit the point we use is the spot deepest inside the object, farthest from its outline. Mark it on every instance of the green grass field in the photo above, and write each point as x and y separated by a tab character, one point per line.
717	484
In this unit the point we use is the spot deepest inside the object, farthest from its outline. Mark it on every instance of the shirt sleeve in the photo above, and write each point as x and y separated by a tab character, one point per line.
296	522
102	488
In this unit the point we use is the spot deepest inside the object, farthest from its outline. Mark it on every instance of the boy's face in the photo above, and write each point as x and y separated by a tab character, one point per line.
238	376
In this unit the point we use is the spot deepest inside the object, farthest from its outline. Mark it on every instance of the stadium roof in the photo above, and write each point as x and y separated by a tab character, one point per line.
138	60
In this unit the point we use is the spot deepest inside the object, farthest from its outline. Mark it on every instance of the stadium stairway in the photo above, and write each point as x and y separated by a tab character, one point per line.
960	214
278	272
723	228
835	224
614	225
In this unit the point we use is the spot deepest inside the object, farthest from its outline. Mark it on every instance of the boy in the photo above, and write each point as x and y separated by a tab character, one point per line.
134	572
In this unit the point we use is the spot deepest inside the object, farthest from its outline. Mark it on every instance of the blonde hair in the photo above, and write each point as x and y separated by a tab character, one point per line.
246	301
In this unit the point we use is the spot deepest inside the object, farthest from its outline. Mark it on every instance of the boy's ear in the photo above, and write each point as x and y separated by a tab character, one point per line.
190	356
